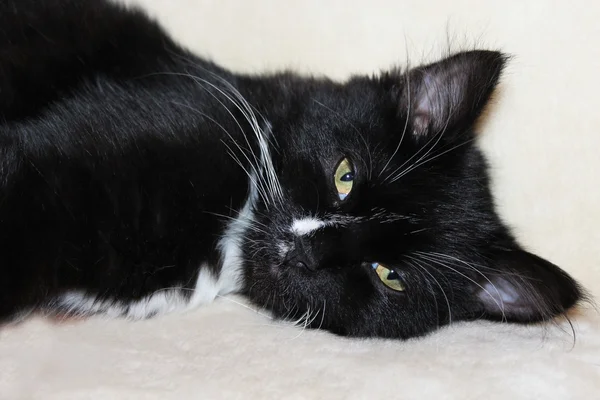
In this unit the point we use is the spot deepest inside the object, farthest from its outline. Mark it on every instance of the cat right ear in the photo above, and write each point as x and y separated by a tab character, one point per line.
450	93
525	288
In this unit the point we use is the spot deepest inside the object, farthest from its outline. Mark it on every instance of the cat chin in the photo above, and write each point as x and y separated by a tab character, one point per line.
275	271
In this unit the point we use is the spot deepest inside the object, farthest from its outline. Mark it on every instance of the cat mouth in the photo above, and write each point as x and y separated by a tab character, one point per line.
276	269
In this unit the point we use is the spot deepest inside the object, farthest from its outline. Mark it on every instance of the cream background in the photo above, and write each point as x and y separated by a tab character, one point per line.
542	140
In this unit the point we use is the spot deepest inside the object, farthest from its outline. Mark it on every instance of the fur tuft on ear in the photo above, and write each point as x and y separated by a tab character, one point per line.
451	92
526	289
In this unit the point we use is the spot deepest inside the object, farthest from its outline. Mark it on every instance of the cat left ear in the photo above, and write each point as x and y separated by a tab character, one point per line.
451	92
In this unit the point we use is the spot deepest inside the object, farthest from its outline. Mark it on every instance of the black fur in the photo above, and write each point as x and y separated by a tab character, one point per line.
124	159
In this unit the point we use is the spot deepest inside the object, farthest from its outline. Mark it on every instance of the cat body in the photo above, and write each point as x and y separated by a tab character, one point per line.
137	178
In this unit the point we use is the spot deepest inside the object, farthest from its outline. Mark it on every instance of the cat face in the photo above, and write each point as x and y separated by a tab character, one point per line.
373	214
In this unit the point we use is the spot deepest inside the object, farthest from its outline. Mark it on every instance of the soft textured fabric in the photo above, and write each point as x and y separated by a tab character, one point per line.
542	139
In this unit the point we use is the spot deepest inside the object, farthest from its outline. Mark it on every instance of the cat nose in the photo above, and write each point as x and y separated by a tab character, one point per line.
301	261
300	256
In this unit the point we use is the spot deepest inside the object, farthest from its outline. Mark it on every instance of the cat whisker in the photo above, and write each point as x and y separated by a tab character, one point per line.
525	282
195	64
500	303
408	95
251	226
303	320
432	158
252	177
289	311
313	318
323	314
471	266
416	262
257	311
399	169
265	160
233	90
262	138
432	291
478	267
254	221
257	183
438	135
360	135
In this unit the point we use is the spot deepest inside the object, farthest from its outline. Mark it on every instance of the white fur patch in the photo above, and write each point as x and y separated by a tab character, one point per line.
160	302
282	249
305	226
206	287
229	280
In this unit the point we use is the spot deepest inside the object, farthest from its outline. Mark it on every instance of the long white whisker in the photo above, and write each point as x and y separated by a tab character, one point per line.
263	142
199	81
250	175
253	125
405	126
247	111
360	135
499	304
438	135
431	159
415	261
323	314
243	305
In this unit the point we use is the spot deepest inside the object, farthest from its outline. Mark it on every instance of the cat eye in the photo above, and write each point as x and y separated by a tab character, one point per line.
389	277
344	178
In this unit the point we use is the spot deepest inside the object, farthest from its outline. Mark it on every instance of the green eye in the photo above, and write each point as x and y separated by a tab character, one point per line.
389	277
344	178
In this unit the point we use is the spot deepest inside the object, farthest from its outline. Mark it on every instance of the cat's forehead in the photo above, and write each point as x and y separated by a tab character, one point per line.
338	121
347	102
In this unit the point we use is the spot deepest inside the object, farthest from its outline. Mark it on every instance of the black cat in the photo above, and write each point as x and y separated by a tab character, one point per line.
137	178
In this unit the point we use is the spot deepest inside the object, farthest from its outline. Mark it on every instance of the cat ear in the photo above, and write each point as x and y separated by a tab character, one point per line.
525	288
450	92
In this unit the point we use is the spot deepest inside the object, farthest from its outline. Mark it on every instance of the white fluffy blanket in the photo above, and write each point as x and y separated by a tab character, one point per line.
543	142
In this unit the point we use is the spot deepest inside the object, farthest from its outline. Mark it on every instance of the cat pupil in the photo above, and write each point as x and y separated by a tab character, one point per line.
393	276
347	177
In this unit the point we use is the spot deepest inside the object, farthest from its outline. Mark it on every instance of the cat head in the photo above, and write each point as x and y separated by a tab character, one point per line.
373	214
